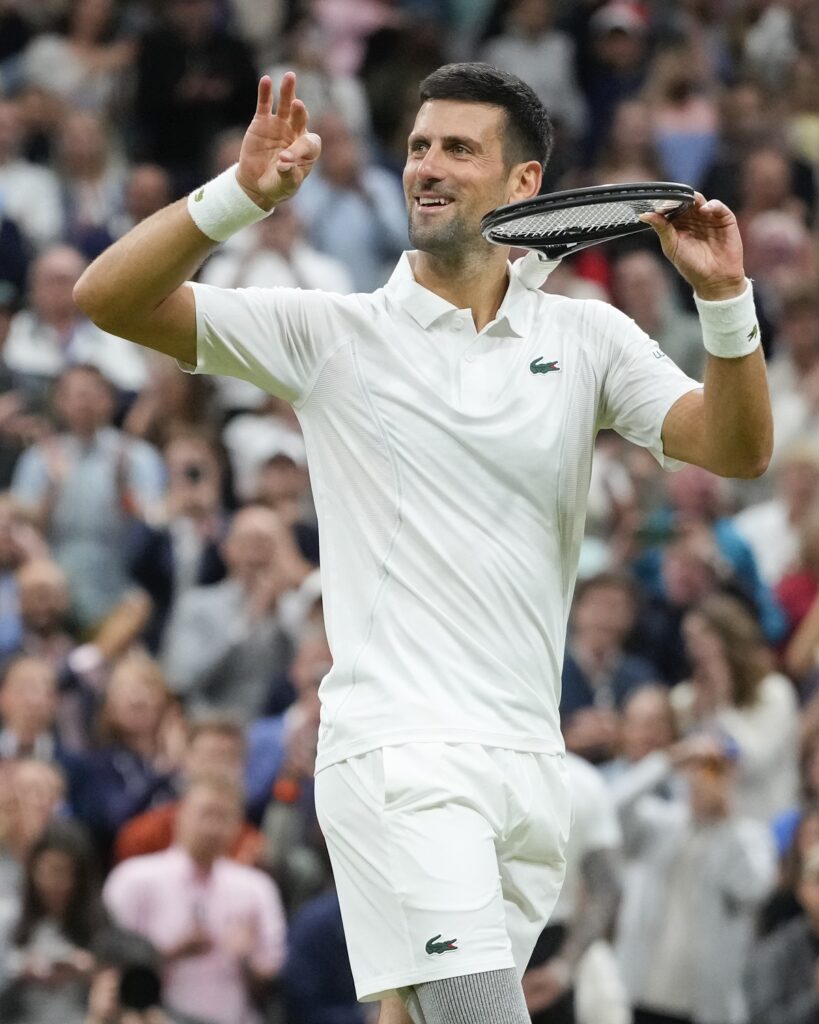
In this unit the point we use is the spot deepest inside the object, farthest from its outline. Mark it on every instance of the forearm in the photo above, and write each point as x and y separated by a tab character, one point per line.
738	421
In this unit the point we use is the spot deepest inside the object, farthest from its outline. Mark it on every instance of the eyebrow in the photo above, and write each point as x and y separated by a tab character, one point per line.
448	140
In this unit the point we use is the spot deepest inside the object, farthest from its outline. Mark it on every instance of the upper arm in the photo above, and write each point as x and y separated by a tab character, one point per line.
683	432
170	328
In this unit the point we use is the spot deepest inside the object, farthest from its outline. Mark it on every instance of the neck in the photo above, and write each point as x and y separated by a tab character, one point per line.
477	281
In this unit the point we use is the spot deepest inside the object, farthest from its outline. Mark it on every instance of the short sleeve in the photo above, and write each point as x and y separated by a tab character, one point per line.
641	383
275	338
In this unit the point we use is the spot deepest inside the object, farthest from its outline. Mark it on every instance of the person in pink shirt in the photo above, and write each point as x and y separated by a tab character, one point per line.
219	925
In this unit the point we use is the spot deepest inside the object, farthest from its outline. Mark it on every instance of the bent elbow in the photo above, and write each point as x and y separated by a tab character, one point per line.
96	306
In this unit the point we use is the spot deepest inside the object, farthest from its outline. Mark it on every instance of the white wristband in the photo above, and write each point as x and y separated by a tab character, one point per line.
221	207
729	326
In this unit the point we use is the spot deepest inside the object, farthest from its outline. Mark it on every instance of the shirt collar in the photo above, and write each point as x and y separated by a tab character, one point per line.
425	307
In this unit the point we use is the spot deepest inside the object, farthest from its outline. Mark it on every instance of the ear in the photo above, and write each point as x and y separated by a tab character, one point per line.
524	181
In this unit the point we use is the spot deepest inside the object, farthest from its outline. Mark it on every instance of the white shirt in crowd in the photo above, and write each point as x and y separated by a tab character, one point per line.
34	347
774	540
450	470
767	734
30	196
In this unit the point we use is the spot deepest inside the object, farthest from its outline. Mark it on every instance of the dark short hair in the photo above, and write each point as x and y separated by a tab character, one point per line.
528	128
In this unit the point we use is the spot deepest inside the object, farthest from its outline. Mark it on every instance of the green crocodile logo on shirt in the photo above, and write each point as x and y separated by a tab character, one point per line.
536	366
199	196
433	946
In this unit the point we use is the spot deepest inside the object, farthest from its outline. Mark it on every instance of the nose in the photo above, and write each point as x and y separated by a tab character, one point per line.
429	168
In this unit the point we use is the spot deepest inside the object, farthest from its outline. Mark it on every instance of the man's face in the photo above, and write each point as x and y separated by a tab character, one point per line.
28	698
207	822
456	158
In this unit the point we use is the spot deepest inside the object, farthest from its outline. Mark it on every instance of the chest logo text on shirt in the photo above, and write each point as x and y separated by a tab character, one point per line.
536	366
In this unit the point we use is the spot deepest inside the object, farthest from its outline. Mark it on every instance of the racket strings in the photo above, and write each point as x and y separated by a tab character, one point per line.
602	217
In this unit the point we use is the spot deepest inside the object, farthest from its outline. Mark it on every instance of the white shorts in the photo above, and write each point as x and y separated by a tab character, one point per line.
448	858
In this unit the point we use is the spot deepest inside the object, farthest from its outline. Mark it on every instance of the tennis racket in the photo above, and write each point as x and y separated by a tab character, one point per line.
564	222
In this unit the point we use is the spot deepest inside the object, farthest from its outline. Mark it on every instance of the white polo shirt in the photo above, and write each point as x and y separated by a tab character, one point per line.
450	470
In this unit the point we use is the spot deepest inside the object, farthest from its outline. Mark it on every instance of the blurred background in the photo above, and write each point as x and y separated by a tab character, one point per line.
161	634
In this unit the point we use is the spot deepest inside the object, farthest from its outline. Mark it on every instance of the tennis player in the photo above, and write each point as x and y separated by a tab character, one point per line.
449	420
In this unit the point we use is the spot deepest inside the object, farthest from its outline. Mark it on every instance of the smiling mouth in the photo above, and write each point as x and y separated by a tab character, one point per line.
432	202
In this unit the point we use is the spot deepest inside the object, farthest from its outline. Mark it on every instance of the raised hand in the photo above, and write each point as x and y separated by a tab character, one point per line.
704	245
277	151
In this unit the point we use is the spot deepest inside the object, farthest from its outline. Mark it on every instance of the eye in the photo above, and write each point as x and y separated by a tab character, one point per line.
460	150
418	146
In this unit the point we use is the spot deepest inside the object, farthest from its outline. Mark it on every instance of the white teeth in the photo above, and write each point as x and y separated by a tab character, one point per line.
424	201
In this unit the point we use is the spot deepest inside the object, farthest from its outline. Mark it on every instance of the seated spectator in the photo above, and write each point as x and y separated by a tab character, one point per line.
193	79
172	402
748	122
733	690
31	193
52	333
84	64
142	740
277	253
598	674
642	290
28	710
766	183
803	110
148	188
215	746
616	65
773	529
218	925
646	725
86	485
19	542
798	592
183	549
316	978
224	641
44	606
684	115
32	794
92	181
780	255
352	210
793	370
282	747
699	873
794	842
126	986
46	977
322	90
544	57
587	903
628	152
782	972
697	503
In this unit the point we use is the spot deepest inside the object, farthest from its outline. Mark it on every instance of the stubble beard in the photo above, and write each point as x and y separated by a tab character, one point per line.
451	243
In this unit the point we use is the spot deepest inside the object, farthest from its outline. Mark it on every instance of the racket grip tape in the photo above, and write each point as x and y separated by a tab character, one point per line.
221	207
729	326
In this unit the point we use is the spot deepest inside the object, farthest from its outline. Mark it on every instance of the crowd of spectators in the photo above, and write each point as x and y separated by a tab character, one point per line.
161	628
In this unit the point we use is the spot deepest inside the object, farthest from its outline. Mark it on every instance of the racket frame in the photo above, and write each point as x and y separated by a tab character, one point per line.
580	197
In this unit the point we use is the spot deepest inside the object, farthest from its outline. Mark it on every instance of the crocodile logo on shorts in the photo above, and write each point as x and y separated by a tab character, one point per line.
754	331
536	366
433	946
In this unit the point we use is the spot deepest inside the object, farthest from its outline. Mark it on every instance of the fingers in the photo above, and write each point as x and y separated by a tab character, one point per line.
298	117
264	102
287	93
303	152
